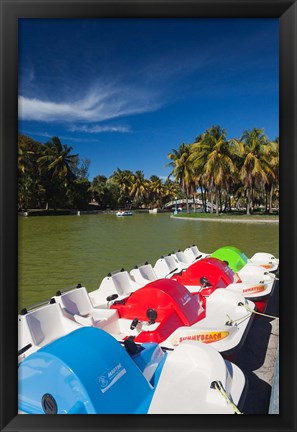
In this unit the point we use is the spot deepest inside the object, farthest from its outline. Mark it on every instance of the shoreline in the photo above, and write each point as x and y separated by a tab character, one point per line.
71	212
226	220
68	212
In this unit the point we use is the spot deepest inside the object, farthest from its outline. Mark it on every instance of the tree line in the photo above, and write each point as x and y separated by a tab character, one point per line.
228	173
240	172
50	176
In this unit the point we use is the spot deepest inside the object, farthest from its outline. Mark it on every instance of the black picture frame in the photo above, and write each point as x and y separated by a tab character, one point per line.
11	11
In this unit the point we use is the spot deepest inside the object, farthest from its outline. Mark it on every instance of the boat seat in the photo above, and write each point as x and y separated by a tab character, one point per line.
192	253
76	301
182	258
47	323
122	282
119	283
143	274
77	305
166	266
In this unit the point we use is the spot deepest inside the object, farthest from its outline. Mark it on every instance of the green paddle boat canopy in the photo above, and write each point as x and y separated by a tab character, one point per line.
235	257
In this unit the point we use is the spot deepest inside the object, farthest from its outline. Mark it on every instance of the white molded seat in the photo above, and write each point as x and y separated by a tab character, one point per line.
119	283
143	274
193	253
43	325
77	305
167	266
182	259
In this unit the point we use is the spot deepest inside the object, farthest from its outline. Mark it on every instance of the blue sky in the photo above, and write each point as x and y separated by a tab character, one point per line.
125	92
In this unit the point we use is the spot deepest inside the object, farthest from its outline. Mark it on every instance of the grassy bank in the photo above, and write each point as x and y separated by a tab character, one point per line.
234	216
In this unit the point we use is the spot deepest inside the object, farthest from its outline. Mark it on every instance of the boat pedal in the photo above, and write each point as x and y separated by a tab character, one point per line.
24	349
152	315
119	302
131	346
111	297
134	323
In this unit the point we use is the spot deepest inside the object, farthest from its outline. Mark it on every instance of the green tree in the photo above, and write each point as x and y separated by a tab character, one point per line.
98	188
212	157
183	169
78	193
30	188
272	154
254	166
57	165
156	191
123	179
171	190
139	187
58	160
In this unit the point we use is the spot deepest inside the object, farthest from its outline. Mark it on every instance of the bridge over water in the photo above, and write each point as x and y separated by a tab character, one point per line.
197	201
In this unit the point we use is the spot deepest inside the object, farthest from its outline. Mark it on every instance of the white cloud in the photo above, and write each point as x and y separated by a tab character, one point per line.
63	138
99	129
99	104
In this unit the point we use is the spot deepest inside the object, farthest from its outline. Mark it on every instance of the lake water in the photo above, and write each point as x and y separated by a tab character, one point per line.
57	252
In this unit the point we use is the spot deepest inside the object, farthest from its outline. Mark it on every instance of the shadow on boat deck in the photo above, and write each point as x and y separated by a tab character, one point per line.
257	358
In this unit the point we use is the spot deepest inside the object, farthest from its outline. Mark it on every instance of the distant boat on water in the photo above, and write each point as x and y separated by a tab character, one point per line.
122	213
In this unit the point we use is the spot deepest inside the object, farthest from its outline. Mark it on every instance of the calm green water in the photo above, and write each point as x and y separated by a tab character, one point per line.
59	252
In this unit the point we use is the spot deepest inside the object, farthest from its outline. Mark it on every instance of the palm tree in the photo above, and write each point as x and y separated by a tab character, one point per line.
98	187
58	163
212	157
28	151
139	186
183	169
156	190
30	189
171	190
272	153
123	179
254	163
57	159
22	155
24	177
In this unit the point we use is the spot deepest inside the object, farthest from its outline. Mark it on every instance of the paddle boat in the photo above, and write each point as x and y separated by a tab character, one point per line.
89	372
164	311
207	274
121	213
121	283
237	259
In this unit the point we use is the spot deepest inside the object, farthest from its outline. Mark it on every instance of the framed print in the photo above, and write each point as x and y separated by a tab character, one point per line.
146	64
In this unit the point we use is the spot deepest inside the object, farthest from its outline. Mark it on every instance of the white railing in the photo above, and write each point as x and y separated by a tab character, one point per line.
190	201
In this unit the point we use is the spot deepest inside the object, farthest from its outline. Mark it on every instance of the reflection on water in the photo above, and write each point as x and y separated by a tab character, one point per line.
61	251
